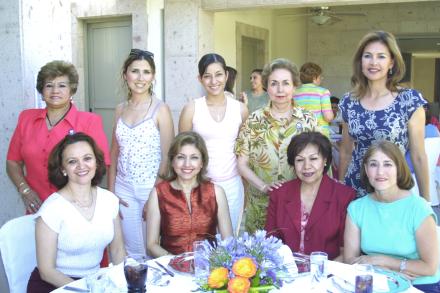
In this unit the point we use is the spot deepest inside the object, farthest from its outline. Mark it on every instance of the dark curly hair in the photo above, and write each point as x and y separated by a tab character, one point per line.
55	165
300	141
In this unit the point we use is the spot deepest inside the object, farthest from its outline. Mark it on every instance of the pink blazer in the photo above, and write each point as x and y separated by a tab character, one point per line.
325	228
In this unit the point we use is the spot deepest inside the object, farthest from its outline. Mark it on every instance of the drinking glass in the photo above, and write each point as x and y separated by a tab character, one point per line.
302	262
135	271
201	263
364	284
364	278
318	265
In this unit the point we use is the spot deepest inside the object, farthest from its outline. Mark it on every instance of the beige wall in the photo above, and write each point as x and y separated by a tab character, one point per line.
225	34
332	46
290	36
423	76
287	35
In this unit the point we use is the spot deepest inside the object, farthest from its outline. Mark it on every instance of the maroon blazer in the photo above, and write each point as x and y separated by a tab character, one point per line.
325	227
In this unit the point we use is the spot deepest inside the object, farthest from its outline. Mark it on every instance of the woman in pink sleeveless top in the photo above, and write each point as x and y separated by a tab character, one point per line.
217	117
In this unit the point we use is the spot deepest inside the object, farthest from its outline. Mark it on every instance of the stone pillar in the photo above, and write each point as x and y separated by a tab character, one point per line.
188	35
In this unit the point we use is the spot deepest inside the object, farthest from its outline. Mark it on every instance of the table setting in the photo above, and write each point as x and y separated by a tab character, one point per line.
251	263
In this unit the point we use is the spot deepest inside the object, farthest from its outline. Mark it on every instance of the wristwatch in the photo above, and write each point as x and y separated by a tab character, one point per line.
402	266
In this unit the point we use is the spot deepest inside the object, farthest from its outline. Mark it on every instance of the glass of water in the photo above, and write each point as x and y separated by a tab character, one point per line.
201	263
318	265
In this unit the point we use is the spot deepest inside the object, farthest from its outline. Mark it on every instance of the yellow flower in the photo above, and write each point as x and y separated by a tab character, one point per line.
239	285
244	267
218	278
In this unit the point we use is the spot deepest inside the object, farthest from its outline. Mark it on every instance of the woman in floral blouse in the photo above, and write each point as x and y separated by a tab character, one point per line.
263	139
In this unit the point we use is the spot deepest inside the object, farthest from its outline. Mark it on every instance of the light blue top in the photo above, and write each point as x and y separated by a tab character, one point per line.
390	228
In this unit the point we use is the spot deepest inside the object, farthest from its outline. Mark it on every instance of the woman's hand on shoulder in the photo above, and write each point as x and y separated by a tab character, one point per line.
272	186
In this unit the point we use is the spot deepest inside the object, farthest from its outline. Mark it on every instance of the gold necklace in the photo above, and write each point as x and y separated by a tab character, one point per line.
218	111
141	105
58	120
80	204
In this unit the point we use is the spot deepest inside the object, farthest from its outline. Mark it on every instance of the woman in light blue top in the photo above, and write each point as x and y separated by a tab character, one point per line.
390	227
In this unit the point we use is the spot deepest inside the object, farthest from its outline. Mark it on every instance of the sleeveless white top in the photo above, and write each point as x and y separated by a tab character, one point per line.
139	150
219	137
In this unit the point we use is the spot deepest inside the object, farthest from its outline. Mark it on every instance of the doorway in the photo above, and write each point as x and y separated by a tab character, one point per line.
252	52
252	57
108	44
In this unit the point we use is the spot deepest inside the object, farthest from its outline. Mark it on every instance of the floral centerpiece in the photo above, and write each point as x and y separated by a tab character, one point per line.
250	263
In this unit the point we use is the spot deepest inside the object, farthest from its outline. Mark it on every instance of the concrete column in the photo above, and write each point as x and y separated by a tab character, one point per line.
188	35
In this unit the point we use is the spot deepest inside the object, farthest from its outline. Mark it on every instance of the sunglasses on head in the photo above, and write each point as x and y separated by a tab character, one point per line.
139	52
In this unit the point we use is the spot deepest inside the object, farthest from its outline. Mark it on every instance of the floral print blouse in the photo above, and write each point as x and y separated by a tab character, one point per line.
264	140
367	126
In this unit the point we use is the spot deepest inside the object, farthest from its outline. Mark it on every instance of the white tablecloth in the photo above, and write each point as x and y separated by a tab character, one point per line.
184	283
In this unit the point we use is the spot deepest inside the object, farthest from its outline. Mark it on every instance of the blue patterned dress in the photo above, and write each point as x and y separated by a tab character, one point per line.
366	127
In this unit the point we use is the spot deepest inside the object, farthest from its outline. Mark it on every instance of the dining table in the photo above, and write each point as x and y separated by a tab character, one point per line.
184	282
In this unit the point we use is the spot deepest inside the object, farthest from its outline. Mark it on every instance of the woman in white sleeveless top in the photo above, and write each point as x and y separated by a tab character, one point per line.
217	118
142	135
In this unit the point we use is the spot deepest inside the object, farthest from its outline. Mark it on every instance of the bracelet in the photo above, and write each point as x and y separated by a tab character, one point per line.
402	266
25	191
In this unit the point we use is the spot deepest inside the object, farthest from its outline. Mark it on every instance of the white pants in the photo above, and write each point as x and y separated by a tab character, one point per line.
234	191
134	227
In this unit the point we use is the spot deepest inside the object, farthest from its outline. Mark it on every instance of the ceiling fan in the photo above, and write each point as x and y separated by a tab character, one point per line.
324	15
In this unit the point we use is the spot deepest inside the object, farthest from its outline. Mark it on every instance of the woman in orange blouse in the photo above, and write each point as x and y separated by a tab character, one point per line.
186	206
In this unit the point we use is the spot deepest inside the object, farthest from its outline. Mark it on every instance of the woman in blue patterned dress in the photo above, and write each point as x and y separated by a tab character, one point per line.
377	109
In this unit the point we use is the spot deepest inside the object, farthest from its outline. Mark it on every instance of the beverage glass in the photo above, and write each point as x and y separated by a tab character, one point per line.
364	284
135	271
318	264
201	263
364	278
302	262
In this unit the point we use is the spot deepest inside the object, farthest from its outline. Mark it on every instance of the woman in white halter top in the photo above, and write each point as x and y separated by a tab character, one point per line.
217	118
142	135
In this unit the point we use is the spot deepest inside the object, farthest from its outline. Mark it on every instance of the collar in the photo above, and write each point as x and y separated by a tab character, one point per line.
320	206
70	117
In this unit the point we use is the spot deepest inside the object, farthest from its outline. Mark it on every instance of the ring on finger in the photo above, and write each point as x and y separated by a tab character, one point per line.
32	205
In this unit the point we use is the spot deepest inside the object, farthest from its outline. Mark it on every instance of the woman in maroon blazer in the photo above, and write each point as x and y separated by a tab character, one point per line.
308	213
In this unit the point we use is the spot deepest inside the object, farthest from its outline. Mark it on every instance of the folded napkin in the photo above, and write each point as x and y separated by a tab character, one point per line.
345	277
288	259
116	275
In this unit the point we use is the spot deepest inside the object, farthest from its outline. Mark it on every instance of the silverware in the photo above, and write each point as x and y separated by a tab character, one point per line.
75	289
164	268
339	287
